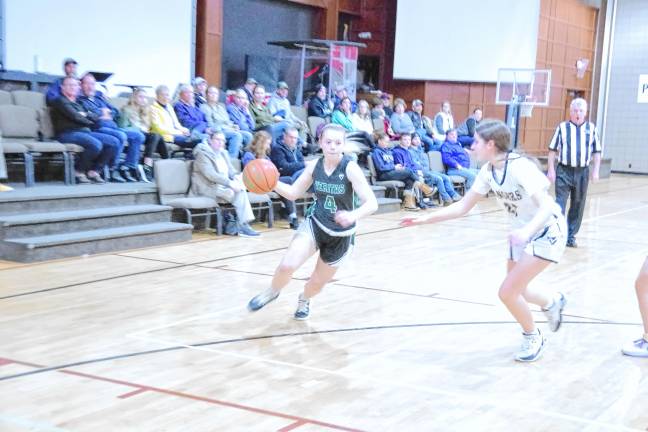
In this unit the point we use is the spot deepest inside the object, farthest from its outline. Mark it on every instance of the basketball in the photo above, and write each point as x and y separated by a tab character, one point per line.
260	176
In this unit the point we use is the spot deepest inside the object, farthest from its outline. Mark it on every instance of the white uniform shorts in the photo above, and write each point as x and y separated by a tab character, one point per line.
548	244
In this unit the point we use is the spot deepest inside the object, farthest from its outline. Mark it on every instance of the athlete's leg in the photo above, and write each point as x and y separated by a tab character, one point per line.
514	290
639	348
322	274
641	286
300	249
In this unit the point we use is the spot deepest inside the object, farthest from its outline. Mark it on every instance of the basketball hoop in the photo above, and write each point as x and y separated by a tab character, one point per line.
526	110
581	67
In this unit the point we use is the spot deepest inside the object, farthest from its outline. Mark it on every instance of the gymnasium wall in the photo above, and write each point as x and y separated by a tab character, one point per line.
249	24
139	41
566	32
625	133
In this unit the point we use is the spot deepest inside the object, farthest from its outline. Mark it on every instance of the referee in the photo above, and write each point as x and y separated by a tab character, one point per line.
575	145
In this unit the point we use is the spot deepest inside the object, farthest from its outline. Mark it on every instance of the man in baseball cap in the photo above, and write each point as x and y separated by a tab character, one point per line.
54	90
249	86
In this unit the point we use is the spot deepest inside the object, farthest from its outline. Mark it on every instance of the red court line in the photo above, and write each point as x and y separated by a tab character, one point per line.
5	361
292	426
133	393
298	421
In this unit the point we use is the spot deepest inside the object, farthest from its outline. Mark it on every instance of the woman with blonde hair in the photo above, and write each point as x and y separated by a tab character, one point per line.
136	115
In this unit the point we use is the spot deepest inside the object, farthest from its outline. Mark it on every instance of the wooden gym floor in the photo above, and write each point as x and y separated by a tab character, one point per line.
409	337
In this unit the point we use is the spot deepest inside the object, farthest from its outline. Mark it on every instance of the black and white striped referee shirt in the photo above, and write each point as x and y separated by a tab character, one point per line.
575	144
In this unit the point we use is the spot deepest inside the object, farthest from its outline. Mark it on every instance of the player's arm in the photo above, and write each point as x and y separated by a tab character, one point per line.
301	185
545	211
368	203
453	211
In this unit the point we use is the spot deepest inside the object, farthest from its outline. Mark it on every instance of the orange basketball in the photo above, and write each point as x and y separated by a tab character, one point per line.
260	176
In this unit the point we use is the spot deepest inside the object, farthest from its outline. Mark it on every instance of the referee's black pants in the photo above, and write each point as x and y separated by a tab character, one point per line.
572	182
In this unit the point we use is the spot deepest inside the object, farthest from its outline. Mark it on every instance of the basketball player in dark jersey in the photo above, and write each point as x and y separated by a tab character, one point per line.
338	183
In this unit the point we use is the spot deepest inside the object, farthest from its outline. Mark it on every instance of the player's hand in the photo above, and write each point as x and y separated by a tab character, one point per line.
551	175
519	237
345	218
411	221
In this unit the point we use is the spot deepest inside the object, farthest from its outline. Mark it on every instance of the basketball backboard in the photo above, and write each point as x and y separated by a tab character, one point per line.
528	87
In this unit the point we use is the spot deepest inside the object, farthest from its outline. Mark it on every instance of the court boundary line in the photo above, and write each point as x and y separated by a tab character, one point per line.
497	406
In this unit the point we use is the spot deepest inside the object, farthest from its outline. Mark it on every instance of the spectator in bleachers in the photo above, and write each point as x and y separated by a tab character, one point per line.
403	157
401	123
54	90
457	159
443	122
387	104
341	93
378	112
434	178
239	113
361	119
165	122
3	171
342	116
287	155
214	176
72	124
95	102
200	91
189	115
416	115
248	87
319	105
136	115
218	119
279	105
259	148
466	130
386	169
263	118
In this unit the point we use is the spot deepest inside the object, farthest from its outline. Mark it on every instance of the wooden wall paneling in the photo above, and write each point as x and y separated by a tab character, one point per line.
209	40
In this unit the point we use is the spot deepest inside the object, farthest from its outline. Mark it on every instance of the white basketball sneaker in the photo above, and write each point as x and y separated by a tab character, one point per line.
532	347
554	312
638	348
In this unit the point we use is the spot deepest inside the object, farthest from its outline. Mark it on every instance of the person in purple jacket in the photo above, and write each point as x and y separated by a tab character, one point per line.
457	159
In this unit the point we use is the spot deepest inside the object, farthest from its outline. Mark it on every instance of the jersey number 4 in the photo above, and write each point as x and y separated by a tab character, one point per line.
329	204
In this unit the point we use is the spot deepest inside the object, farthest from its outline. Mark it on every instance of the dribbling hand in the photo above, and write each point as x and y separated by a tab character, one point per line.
344	218
411	221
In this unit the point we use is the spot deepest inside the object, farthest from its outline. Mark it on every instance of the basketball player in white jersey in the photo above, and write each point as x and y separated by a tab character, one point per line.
639	348
538	235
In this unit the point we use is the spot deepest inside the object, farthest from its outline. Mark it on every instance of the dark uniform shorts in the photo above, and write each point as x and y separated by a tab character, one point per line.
332	249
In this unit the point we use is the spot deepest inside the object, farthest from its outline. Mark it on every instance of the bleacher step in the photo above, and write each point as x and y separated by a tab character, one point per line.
388	205
39	224
59	198
40	248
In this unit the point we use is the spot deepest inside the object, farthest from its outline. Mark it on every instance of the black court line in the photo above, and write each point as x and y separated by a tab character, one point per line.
177	265
285	335
182	265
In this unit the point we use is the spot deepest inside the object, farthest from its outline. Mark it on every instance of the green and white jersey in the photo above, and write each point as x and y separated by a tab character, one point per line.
332	193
